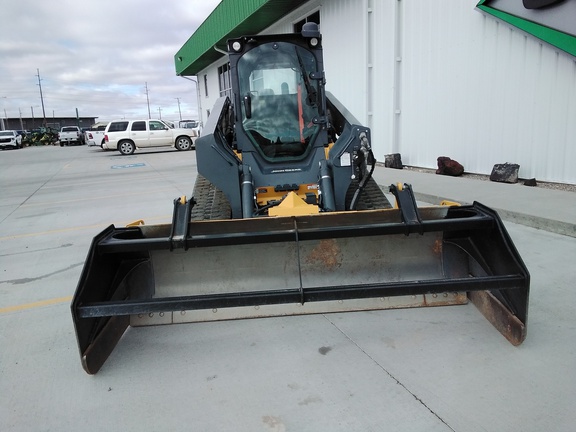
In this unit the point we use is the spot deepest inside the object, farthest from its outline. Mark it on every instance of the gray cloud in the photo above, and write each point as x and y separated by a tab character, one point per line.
97	56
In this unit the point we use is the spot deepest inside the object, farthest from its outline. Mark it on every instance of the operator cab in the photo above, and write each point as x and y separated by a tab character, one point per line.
280	97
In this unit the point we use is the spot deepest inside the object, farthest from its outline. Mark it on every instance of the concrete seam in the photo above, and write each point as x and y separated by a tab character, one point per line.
537	222
390	374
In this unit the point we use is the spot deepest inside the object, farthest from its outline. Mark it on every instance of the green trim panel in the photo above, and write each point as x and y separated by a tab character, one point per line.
231	18
556	38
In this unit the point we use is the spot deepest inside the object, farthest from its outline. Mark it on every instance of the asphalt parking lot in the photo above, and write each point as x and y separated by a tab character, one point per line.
429	369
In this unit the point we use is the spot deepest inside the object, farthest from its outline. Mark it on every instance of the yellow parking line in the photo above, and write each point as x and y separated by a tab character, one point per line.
35	304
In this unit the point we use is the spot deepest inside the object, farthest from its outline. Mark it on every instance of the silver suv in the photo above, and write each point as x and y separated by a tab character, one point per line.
128	135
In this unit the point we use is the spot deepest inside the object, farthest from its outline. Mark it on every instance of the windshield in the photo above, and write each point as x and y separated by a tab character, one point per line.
280	99
10	133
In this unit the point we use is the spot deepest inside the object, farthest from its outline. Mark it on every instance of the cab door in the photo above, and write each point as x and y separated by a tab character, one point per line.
159	135
139	134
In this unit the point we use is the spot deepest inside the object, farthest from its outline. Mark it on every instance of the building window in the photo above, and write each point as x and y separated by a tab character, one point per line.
224	80
206	85
315	17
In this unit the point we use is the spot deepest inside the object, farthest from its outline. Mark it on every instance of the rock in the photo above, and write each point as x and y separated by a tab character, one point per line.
530	182
393	160
505	173
447	166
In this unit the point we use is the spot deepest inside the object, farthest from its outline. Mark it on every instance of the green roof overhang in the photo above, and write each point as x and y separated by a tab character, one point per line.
559	39
231	18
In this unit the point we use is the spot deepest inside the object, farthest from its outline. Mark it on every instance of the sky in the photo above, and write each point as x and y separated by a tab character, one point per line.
97	56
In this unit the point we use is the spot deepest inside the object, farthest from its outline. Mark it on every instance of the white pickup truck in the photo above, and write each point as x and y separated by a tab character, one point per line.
95	135
128	135
94	138
70	135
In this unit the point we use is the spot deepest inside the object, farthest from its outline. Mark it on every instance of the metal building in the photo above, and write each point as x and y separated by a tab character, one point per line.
31	123
429	78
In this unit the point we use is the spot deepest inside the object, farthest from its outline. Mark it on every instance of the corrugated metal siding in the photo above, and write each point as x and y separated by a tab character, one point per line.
481	92
386	78
343	27
466	86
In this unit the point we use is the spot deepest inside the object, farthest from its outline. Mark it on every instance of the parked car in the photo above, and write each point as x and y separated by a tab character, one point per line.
10	139
128	135
94	138
70	135
191	124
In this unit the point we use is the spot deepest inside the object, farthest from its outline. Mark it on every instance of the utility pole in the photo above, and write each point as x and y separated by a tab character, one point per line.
148	101
41	97
179	112
160	112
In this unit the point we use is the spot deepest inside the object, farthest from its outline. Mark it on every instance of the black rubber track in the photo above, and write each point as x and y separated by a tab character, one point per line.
211	203
371	198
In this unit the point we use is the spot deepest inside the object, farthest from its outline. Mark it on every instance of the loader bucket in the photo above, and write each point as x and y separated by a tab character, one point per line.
205	270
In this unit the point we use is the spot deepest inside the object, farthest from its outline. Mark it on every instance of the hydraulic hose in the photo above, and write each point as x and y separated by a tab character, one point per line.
368	155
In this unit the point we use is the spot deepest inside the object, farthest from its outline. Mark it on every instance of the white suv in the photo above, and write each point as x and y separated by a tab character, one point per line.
128	135
10	138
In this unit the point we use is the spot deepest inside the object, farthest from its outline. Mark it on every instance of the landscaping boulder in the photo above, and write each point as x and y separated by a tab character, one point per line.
393	160
505	173
447	166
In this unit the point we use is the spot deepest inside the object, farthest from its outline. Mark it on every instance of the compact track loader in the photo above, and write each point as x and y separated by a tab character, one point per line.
285	218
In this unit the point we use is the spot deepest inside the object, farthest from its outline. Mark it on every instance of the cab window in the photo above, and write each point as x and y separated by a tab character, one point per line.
283	102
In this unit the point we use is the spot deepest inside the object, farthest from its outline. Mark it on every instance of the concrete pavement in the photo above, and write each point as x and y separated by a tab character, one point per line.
428	369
